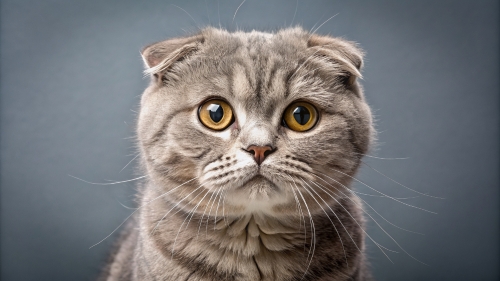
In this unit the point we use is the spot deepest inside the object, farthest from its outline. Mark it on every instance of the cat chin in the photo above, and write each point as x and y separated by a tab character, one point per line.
258	195
259	187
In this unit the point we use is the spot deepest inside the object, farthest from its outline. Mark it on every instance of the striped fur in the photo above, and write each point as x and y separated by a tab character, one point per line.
207	210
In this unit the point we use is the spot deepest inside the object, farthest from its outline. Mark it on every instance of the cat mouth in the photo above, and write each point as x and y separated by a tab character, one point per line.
260	182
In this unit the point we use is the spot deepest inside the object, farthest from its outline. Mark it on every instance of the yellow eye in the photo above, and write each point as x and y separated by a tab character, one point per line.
216	114
300	116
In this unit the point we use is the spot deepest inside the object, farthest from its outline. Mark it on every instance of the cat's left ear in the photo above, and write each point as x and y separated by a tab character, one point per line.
159	57
343	52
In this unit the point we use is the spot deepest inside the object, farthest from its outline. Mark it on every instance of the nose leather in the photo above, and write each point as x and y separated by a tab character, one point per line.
259	152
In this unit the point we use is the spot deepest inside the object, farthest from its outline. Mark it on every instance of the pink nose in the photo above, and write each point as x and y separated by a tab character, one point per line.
259	152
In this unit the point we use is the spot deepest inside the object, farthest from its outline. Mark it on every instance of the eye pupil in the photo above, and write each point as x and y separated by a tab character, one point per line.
216	112
301	115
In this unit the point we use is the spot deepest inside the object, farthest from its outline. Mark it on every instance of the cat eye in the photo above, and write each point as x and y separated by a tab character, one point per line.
300	116
216	114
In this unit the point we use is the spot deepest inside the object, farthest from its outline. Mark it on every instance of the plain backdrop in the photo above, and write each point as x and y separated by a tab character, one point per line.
71	78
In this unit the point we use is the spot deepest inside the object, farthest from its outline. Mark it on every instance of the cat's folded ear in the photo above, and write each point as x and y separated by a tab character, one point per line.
342	52
161	56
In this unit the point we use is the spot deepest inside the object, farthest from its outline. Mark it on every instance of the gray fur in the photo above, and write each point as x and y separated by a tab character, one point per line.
207	211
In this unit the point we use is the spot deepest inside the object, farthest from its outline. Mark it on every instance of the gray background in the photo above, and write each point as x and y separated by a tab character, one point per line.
71	80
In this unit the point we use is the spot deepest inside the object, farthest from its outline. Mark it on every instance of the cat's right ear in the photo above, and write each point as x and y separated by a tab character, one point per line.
161	56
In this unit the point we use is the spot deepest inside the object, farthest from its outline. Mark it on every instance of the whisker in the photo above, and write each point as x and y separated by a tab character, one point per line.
218	13
223	208
175	206
180	228
299	208
310	30
197	25
210	212
407	230
196	207
338	234
107	183
126	207
313	237
217	210
322	25
129	162
354	219
329	194
294	14
203	215
138	209
378	191
400	184
379	224
302	217
387	249
237	10
382	158
380	196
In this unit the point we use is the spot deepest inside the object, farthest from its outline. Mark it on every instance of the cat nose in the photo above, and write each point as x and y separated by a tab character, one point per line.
259	152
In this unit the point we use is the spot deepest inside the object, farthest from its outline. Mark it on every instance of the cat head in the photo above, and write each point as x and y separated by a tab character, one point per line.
261	117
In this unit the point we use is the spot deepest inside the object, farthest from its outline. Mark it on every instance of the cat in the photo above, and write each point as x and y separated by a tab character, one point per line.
249	142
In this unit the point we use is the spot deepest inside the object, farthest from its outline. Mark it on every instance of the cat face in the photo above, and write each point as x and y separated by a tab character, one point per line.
256	116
